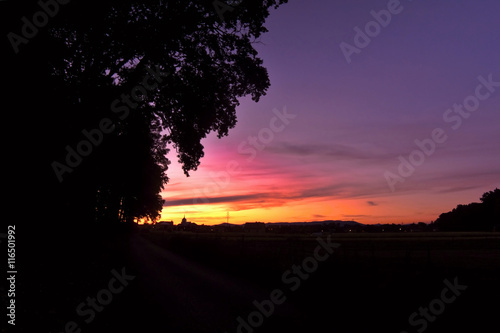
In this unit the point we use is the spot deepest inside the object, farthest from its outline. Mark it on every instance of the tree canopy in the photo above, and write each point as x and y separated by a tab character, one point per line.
109	87
483	216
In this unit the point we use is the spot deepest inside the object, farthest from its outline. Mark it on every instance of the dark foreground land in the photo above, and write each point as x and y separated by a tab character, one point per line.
228	282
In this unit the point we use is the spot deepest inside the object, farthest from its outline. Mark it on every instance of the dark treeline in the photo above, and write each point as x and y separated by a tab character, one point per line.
292	228
483	216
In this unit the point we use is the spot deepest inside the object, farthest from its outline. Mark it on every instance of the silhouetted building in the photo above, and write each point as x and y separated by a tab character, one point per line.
255	227
165	223
186	225
164	226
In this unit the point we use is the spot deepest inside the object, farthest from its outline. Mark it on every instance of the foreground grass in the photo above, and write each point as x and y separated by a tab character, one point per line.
444	248
372	282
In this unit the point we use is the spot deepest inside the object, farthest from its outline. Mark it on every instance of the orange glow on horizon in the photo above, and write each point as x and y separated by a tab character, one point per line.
271	189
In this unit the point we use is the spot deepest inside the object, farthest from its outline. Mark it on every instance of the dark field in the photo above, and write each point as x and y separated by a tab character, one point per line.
188	282
372	282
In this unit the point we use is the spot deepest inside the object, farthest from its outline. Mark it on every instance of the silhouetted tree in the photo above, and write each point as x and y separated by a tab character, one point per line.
91	54
491	197
474	216
491	203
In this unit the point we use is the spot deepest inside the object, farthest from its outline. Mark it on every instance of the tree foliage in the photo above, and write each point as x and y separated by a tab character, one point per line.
475	216
92	54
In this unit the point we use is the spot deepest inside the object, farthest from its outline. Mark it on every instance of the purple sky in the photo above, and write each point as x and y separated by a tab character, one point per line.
354	120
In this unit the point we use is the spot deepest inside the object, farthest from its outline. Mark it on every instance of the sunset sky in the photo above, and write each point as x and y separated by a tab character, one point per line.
337	121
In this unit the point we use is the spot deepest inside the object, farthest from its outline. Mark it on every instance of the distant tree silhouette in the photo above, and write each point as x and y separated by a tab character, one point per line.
475	216
491	197
491	203
66	78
